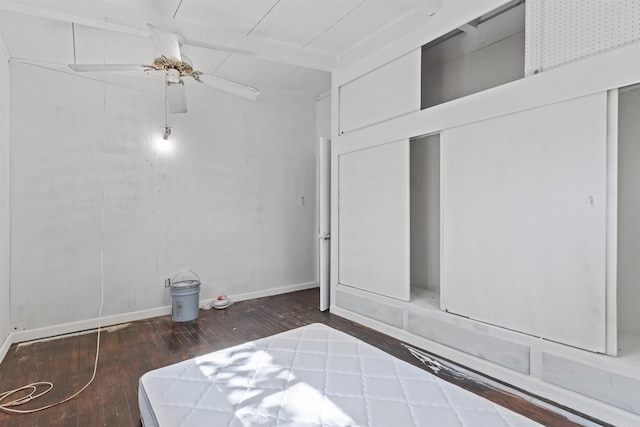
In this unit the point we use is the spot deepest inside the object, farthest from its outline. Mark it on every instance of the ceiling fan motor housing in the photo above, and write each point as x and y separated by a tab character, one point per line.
173	76
184	67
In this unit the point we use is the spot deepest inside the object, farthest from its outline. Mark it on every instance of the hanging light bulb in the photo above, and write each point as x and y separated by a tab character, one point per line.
167	128
162	144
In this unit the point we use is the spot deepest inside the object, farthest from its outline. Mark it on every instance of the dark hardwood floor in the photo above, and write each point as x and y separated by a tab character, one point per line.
133	349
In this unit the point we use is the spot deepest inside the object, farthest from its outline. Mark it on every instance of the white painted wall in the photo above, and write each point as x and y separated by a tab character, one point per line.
5	199
489	56
425	212
629	211
323	116
225	203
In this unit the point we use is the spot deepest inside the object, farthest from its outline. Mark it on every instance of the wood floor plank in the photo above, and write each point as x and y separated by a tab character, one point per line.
131	350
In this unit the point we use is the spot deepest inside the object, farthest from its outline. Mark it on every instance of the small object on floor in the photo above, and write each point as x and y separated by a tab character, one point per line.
220	302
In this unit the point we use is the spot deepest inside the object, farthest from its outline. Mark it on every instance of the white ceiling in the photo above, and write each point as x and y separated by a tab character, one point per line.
286	45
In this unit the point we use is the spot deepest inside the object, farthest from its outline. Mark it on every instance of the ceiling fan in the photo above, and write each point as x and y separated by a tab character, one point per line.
174	65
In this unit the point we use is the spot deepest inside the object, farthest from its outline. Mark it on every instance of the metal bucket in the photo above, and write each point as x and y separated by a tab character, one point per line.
185	296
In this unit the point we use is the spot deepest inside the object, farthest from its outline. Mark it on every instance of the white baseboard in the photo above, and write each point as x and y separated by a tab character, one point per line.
268	292
82	325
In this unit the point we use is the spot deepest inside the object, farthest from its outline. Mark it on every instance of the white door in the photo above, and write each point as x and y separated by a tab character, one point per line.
524	221
324	222
373	220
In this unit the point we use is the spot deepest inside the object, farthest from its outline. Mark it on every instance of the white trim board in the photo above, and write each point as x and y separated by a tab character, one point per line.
73	327
611	234
531	384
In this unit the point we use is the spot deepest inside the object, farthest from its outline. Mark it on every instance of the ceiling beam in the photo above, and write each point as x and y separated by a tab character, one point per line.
397	28
94	19
202	36
468	28
129	21
426	7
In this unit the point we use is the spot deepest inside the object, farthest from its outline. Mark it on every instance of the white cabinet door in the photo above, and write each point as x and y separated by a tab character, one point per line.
389	91
373	220
524	221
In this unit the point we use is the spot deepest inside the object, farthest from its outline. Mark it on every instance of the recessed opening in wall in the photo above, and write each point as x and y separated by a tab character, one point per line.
628	216
425	219
484	53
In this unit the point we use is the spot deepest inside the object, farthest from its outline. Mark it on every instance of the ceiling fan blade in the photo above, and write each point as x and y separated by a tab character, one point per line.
106	67
218	47
177	97
230	86
166	42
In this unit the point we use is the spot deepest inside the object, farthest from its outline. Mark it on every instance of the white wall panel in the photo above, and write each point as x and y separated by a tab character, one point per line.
533	41
5	199
374	220
224	203
387	92
618	389
559	32
524	220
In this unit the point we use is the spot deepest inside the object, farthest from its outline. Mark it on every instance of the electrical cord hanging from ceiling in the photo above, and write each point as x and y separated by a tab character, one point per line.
33	387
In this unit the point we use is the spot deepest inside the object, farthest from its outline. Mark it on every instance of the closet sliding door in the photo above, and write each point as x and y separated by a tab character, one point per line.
524	221
373	220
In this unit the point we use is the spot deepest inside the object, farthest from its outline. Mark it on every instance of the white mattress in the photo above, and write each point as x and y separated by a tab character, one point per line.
310	376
